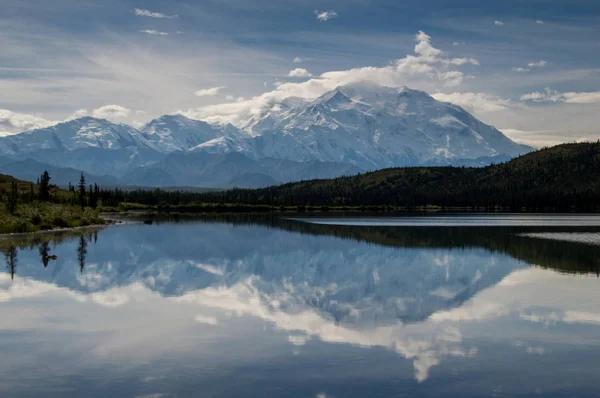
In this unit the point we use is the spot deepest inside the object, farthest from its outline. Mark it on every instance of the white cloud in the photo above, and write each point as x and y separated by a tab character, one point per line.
297	60
475	102
458	43
154	32
531	65
536	138
299	72
111	112
498	23
549	95
77	114
208	320
325	15
427	69
209	92
539	22
13	122
146	13
539	64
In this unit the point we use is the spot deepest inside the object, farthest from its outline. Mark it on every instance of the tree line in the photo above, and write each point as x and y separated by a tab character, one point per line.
44	191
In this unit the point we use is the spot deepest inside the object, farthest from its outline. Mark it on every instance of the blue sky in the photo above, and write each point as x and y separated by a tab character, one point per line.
529	67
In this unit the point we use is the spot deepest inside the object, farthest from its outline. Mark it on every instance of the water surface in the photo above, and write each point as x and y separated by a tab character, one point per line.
262	306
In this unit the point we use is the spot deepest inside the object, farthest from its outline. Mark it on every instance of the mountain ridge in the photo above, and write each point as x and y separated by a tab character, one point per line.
362	126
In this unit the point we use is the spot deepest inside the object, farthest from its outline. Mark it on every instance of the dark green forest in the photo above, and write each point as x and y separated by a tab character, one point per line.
562	178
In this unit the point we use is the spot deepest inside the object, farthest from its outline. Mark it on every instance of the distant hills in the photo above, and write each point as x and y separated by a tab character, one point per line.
561	178
351	129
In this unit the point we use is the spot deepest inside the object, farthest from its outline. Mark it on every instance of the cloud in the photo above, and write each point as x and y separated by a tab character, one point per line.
428	68
232	98
299	72
154	32
111	112
539	22
14	122
209	92
549	95
325	15
498	23
536	138
531	65
146	13
297	60
77	114
475	102
208	320
539	64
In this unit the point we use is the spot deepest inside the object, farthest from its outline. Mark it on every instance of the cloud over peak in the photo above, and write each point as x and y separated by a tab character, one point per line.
209	92
111	112
475	102
325	15
146	13
426	69
299	72
14	122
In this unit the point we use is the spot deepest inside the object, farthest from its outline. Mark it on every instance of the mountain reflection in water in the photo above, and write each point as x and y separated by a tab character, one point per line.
134	295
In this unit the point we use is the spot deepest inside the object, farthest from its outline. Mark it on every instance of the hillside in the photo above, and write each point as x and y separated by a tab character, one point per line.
561	178
31	213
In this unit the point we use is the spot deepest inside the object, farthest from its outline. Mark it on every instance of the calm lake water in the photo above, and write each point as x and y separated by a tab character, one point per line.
261	306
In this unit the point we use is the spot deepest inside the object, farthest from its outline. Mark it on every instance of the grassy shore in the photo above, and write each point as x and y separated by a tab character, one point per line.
42	216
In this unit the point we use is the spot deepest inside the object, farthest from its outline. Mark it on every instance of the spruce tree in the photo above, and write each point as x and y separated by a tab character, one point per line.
13	197
45	187
82	191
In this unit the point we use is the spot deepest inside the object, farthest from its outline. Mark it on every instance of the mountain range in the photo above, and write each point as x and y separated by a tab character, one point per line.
351	129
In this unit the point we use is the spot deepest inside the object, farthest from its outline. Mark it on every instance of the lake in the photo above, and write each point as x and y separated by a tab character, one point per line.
321	307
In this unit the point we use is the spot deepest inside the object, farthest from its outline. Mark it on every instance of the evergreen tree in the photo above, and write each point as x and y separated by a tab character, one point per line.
13	197
10	256
45	187
82	191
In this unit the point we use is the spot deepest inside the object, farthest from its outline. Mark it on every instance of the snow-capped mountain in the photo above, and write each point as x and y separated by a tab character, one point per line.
374	127
354	127
171	133
86	132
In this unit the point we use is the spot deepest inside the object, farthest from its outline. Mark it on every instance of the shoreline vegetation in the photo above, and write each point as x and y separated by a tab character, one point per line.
560	179
29	207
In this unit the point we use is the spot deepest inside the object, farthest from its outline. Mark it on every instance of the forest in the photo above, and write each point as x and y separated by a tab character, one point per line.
561	178
564	178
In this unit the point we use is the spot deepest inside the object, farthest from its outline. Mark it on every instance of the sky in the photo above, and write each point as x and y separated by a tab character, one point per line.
529	67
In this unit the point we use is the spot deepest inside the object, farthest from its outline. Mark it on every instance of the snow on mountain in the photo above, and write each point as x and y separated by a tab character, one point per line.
375	126
172	133
363	126
86	132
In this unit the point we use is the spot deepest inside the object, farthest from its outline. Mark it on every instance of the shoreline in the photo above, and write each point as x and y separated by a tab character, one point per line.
110	222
